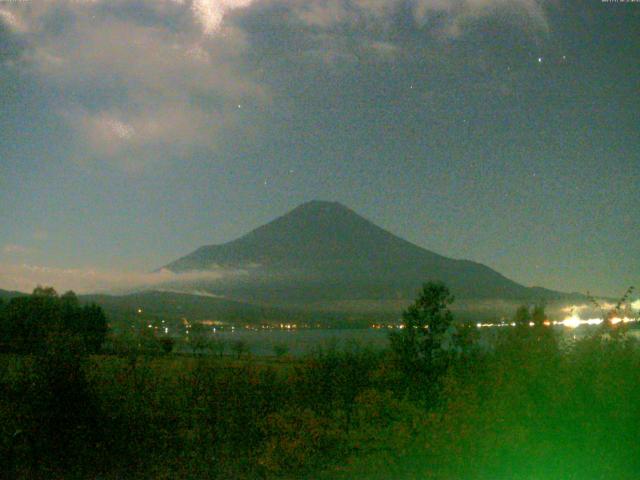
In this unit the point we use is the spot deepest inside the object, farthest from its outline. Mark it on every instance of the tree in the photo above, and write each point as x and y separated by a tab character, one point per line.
239	347
199	339
538	315
28	321
425	341
30	324
41	291
531	343
280	350
167	344
621	307
4	334
522	316
94	327
218	346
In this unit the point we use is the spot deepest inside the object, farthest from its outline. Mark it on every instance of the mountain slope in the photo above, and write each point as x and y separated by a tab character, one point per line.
8	295
174	306
324	252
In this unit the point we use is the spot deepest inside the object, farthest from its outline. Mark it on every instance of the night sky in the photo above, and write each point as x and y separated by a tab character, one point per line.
502	131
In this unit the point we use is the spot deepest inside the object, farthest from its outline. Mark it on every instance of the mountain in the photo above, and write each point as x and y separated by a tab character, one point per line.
323	253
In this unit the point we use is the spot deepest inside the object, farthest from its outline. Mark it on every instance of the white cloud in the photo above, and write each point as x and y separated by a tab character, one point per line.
210	13
352	30
139	139
207	14
136	93
25	278
13	21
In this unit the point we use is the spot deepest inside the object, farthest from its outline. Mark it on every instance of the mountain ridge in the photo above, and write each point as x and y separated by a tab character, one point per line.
324	251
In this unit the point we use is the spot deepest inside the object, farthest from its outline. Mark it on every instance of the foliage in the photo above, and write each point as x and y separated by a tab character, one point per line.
167	344
239	347
280	350
31	324
522	316
523	409
620	309
428	340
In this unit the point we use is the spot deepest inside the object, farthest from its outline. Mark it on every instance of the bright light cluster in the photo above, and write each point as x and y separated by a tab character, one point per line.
572	321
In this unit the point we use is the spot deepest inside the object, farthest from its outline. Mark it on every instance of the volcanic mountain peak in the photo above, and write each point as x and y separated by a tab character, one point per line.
325	250
316	231
318	215
315	206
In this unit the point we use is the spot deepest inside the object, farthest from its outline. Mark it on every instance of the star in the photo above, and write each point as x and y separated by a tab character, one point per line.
539	59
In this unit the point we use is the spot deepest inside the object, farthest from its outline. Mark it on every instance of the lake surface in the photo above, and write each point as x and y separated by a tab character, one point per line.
302	341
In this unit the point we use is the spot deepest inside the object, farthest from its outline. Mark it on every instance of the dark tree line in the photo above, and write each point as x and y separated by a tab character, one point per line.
32	324
433	406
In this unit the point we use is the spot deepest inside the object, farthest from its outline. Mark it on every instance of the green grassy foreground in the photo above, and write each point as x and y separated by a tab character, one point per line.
524	411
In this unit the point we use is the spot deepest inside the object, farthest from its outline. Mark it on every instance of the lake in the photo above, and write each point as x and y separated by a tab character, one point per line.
301	341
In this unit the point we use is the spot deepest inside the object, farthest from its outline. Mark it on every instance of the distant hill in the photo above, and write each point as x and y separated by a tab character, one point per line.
175	306
323	253
7	294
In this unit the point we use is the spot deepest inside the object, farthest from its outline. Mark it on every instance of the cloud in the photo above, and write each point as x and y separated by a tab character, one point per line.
207	15
448	17
150	82
456	16
136	140
199	293
25	278
11	20
210	13
603	305
15	249
140	89
351	32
